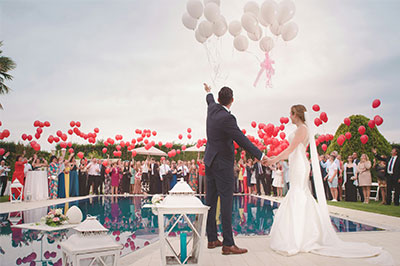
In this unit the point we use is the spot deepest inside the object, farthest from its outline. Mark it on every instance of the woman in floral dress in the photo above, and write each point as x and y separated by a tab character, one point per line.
193	177
52	173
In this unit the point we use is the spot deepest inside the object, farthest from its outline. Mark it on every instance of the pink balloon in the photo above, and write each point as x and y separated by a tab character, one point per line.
361	130
364	139
371	123
323	116
378	120
376	103
324	147
347	121
316	107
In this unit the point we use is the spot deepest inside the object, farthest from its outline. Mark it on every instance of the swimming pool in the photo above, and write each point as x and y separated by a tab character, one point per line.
131	225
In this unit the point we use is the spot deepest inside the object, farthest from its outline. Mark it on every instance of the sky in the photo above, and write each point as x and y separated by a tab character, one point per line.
122	65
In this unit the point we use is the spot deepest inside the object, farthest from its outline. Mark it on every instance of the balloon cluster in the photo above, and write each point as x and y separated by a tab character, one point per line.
268	140
324	138
270	15
255	20
5	133
377	121
323	117
214	22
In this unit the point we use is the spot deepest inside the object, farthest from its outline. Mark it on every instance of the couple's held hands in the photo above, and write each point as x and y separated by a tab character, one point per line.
267	161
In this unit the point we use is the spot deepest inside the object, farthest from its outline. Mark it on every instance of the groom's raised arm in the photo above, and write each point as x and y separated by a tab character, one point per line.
231	128
209	97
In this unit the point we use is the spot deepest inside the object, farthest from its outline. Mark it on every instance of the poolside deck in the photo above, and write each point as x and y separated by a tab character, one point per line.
259	251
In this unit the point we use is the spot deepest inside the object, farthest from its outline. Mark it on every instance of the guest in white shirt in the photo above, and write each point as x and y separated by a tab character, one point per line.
145	176
183	171
3	176
332	177
165	175
93	169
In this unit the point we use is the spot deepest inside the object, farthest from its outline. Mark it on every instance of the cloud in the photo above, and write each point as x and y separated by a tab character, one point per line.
124	65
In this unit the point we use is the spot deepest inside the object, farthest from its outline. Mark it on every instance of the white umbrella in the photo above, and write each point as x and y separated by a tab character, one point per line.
195	149
152	151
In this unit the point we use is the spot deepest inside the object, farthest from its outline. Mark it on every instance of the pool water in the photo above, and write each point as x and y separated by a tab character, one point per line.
130	225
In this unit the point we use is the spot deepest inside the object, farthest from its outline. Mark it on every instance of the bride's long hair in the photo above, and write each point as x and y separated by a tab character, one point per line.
299	111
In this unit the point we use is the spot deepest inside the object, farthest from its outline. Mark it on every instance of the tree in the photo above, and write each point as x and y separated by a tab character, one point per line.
6	65
375	139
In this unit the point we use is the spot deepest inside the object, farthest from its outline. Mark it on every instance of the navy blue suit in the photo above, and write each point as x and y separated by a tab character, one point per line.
219	158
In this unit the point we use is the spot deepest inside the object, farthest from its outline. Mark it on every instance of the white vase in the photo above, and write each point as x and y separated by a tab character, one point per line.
74	215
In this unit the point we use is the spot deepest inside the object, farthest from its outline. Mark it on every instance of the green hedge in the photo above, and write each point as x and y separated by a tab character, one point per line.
376	140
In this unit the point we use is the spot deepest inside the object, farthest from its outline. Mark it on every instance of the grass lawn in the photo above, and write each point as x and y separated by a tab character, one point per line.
373	206
4	199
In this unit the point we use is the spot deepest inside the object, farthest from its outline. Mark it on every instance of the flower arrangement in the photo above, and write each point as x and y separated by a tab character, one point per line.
55	217
156	199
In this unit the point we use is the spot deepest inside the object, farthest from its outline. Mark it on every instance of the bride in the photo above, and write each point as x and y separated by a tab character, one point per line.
301	224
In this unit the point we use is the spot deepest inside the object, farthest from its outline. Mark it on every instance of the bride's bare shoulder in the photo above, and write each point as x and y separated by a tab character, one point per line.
302	129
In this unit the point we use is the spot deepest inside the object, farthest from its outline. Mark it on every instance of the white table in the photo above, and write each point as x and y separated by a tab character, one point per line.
36	185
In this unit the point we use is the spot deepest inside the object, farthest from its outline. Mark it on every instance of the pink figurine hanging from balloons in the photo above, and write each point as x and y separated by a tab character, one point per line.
266	66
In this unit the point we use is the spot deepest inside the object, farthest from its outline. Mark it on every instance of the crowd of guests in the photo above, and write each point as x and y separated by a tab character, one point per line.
354	177
254	178
348	180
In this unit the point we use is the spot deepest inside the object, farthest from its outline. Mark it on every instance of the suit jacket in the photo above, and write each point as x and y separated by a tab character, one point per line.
222	130
256	168
396	166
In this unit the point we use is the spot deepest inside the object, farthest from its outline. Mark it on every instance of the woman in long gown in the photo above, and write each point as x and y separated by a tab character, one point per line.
301	224
73	179
19	174
350	176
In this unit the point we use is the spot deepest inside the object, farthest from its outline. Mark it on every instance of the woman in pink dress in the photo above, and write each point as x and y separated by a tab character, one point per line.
115	171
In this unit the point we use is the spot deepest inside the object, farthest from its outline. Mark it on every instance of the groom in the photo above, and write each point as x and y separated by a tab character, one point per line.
222	130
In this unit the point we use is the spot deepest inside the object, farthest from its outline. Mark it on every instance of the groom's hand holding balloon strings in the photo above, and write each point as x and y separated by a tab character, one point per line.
206	87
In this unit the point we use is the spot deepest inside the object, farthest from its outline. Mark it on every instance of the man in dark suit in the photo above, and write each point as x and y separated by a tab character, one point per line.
261	176
356	161
393	176
222	130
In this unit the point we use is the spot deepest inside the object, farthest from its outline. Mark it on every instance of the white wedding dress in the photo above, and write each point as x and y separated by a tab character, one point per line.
302	224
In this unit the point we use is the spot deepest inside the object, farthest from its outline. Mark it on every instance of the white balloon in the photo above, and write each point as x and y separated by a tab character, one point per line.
286	11
235	28
252	7
205	29
241	43
249	22
199	37
255	36
220	27
189	22
211	12
218	2
262	21
266	44
275	28
194	8
289	31
269	11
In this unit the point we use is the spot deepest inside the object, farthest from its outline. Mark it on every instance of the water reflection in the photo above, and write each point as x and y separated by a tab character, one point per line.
130	225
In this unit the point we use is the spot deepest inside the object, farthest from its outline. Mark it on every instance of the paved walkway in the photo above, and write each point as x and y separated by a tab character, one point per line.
260	254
